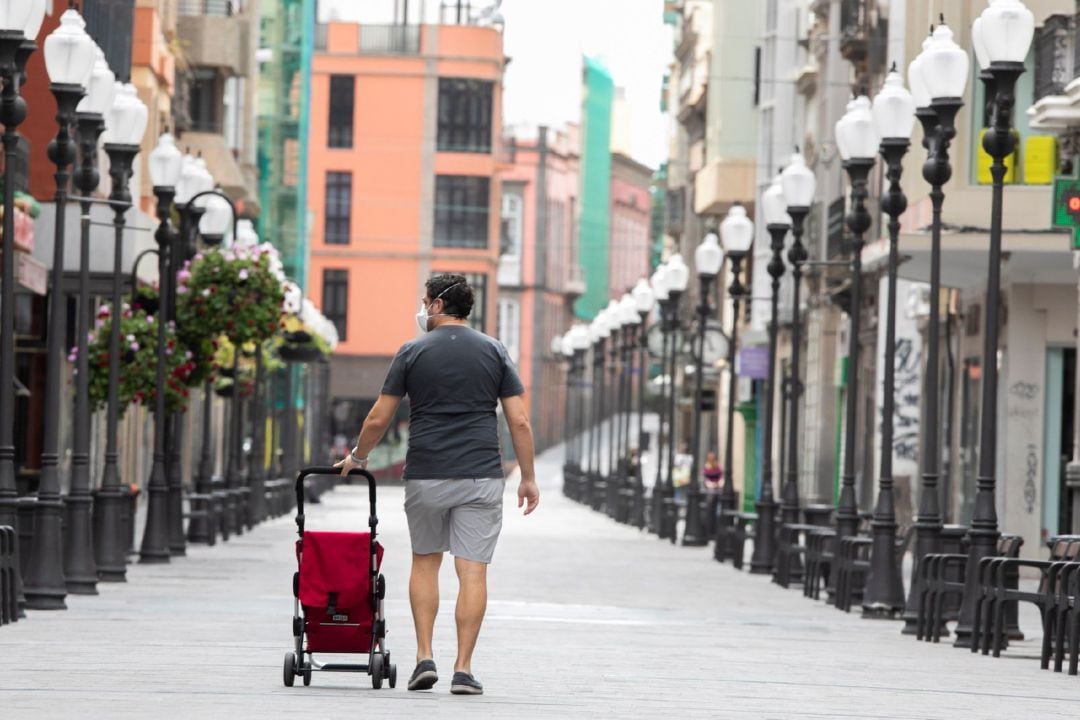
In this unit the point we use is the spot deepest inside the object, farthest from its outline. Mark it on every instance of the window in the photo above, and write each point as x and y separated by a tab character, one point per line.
342	97
338	208
510	327
335	299
512	221
461	211
206	100
464	115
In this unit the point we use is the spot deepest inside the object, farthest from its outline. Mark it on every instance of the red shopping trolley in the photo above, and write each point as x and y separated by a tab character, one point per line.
338	596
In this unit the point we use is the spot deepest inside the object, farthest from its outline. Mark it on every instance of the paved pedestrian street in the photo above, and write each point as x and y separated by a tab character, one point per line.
587	619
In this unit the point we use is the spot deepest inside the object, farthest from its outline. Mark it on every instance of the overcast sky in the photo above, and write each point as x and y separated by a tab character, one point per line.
545	40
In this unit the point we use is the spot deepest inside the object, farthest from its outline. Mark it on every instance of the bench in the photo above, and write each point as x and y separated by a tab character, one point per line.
818	556
997	585
944	574
854	565
792	544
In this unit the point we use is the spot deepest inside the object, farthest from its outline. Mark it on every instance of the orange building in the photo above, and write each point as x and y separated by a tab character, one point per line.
403	183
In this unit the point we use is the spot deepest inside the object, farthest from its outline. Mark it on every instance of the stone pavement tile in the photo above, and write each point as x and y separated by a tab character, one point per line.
587	619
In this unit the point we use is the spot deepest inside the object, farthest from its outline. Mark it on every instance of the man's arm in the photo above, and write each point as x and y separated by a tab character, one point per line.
375	426
517	419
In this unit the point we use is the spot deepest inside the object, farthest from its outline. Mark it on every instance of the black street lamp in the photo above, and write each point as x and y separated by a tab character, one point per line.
677	276
610	490
777	224
707	260
19	25
1003	34
578	342
661	289
894	116
594	496
936	113
69	58
644	300
857	145
628	315
80	570
799	186
737	235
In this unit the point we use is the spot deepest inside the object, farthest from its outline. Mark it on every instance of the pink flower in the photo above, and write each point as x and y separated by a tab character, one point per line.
134	347
243	274
181	290
73	355
183	275
150	319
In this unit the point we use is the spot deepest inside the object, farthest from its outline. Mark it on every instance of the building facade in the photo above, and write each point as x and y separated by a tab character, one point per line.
403	183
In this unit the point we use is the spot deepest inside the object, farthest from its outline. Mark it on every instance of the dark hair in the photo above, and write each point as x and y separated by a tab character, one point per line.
457	296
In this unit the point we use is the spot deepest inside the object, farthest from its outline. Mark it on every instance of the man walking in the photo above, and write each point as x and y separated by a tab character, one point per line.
455	377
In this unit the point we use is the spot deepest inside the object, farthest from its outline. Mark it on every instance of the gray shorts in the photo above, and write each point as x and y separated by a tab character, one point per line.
462	516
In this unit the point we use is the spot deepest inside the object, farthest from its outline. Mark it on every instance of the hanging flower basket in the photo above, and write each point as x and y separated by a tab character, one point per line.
138	347
299	353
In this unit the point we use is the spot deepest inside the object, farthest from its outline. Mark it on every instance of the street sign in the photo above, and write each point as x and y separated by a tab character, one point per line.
1066	207
754	362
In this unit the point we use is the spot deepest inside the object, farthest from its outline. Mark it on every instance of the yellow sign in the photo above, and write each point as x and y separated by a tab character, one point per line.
1040	159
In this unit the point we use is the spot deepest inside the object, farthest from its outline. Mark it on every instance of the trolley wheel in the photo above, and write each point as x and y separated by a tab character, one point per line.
380	587
290	669
393	675
296	584
297	626
307	674
376	670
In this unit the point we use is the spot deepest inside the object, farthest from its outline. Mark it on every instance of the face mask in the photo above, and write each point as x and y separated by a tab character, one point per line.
422	317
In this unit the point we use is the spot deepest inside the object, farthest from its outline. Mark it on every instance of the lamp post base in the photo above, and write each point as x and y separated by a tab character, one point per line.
80	575
694	534
764	557
110	505
45	588
669	515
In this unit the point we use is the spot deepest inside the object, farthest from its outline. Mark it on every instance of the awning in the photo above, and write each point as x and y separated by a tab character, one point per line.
1045	257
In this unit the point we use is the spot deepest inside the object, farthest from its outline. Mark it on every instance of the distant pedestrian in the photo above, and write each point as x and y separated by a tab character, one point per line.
713	472
455	377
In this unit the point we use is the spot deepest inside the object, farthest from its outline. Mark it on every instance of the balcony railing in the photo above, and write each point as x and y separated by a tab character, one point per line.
1054	55
222	8
389	39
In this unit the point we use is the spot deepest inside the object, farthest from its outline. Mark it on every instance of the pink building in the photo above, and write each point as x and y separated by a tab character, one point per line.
539	275
631	211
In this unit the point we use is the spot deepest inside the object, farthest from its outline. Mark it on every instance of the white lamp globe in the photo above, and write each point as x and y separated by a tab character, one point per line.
855	134
737	231
1007	29
36	16
217	214
166	162
628	310
678	274
579	337
127	118
189	181
774	206
945	65
557	345
894	109
978	44
798	183
69	51
100	88
919	89
246	237
660	284
17	14
644	297
708	257
204	182
614	316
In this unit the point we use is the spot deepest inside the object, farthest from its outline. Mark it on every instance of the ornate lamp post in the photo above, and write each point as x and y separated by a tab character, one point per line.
69	58
80	570
1005	30
566	350
604	332
596	336
894	116
858	145
661	291
678	277
799	185
707	260
936	109
20	22
644	300
611	482
777	223
630	321
579	344
737	234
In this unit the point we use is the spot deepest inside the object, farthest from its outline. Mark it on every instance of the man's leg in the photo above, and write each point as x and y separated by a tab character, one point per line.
424	598
471	605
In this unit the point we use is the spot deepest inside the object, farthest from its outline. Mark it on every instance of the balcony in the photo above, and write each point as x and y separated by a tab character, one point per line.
854	30
389	39
218	38
723	182
675	206
219	8
509	272
1057	67
575	281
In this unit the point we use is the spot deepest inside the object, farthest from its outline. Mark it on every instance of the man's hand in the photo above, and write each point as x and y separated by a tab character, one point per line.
347	464
528	495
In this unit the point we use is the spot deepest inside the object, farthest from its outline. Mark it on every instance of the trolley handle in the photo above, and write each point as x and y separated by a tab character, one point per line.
373	519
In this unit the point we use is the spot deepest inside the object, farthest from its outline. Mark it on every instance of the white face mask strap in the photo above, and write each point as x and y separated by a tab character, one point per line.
439	297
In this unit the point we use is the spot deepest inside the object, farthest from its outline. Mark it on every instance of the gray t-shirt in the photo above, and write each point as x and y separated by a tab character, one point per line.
454	377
